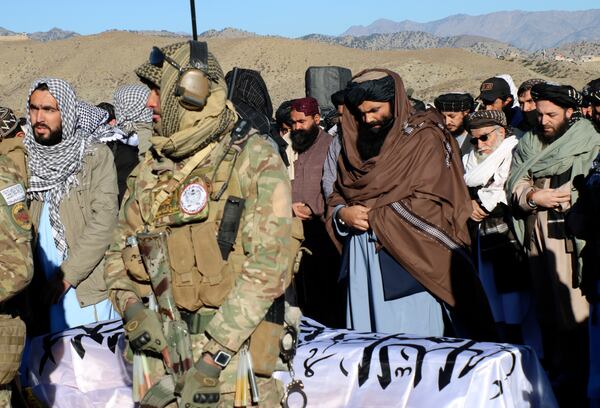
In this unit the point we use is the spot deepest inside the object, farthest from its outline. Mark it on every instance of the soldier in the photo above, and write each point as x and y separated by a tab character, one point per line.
16	269
203	178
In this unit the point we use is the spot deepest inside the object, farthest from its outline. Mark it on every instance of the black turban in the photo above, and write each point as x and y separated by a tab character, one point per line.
337	98
454	102
248	93
591	92
564	96
376	90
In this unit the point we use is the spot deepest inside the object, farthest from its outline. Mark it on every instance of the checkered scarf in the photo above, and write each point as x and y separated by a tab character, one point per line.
53	169
130	107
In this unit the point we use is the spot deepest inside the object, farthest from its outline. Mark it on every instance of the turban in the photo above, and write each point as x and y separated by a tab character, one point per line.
337	98
377	89
564	96
454	102
591	92
8	122
484	118
309	106
527	85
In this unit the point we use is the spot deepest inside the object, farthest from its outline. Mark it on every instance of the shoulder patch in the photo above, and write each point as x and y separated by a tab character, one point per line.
13	194
20	216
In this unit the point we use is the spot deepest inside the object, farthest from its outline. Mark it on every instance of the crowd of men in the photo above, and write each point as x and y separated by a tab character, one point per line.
205	220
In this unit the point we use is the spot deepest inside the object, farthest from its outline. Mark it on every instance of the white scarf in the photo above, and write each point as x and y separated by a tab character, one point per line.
496	166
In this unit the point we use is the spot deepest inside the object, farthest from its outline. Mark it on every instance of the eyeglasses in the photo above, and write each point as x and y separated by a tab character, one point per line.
483	138
157	58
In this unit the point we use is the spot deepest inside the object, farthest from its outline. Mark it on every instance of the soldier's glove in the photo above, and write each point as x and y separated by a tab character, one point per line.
199	387
144	329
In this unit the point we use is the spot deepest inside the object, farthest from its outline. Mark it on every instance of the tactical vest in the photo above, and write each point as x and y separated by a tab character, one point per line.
201	275
12	341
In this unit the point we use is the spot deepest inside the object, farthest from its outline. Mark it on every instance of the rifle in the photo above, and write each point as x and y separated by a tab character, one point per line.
178	356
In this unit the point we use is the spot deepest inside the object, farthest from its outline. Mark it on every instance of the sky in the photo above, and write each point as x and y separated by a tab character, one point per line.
273	17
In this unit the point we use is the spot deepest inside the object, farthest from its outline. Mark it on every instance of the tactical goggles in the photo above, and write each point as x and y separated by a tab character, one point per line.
483	138
157	58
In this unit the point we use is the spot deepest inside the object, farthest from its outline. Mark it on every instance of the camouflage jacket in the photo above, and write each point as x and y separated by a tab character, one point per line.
265	235
16	264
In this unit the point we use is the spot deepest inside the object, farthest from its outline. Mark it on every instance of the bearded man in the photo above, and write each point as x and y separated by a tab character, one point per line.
455	107
73	192
501	262
399	211
317	279
545	164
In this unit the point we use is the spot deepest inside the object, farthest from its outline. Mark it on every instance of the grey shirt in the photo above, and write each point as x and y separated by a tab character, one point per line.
330	166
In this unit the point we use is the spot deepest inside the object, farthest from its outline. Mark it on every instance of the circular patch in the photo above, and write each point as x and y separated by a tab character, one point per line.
193	199
21	216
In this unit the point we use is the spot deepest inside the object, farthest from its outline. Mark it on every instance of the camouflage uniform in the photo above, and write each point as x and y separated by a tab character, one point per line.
16	268
260	262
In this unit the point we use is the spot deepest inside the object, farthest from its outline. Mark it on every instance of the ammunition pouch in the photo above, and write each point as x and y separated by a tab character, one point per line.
200	275
132	259
12	341
197	322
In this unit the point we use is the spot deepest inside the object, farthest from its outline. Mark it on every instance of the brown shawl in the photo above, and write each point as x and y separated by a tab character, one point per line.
420	169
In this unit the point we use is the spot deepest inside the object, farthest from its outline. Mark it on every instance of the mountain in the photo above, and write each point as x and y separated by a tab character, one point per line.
575	50
412	40
5	32
228	32
53	34
529	30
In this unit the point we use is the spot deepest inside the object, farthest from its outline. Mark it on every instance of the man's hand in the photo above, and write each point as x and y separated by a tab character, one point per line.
355	216
550	197
302	211
199	387
478	213
144	329
56	289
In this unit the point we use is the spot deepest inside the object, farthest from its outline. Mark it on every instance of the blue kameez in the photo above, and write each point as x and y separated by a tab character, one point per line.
67	313
367	310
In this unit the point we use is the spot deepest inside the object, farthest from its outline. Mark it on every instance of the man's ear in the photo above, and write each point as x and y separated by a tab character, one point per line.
508	102
569	112
317	118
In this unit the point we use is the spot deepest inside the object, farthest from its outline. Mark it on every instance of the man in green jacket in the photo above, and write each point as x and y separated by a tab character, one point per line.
546	163
73	188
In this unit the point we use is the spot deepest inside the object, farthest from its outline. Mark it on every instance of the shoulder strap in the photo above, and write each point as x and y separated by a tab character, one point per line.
239	137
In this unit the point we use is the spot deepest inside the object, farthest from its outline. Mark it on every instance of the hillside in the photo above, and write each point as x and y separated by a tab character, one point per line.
529	30
414	40
97	64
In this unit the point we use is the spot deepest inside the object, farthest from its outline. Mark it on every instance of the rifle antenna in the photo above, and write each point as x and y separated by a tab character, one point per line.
193	12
